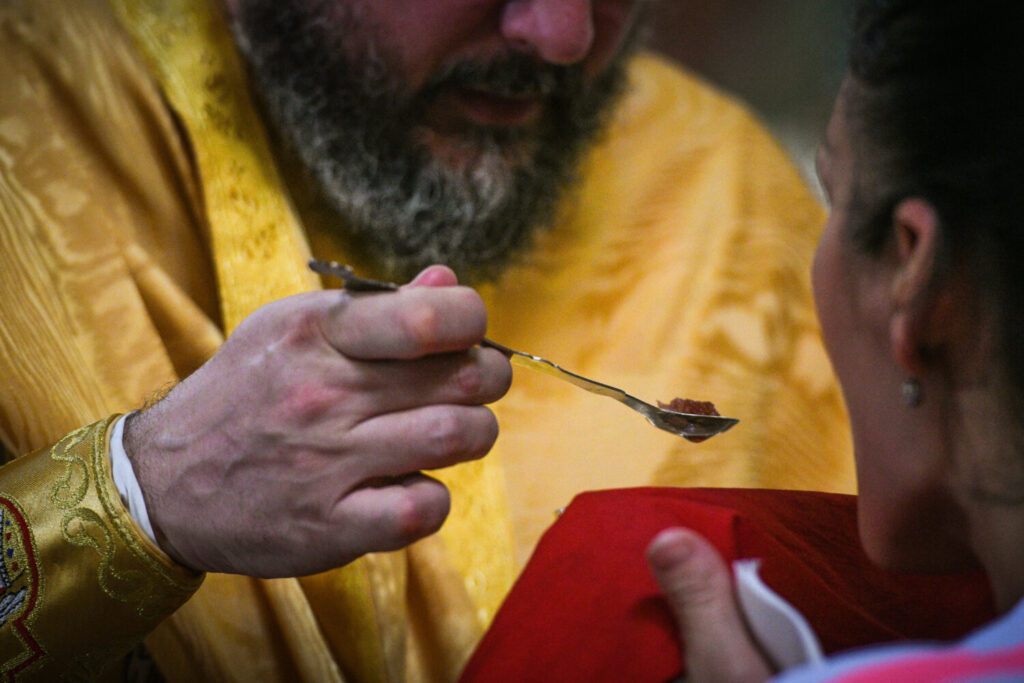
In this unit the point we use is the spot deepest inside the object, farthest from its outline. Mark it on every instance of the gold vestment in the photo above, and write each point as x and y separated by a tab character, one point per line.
141	216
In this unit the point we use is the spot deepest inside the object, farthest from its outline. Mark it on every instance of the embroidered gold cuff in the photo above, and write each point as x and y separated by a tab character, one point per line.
81	585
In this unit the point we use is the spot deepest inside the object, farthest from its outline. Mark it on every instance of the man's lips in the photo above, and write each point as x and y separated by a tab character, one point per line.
459	107
489	109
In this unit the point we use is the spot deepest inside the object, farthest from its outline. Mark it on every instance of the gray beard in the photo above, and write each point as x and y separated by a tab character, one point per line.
335	100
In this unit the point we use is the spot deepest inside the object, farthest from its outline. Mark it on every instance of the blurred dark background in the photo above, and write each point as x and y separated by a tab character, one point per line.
785	58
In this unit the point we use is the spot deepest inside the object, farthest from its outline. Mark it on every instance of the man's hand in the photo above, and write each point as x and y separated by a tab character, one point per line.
716	644
297	447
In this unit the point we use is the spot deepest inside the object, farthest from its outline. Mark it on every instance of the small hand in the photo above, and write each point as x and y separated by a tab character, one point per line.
298	446
716	644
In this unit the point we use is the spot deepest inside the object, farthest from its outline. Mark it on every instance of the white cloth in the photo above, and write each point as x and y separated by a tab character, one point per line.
780	629
126	482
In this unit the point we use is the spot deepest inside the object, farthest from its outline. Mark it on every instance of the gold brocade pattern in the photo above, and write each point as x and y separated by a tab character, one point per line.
258	247
260	254
258	244
105	531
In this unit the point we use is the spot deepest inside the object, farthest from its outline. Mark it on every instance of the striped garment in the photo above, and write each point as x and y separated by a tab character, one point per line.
994	653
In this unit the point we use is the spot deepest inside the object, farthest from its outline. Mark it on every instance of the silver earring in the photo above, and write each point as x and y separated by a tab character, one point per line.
912	392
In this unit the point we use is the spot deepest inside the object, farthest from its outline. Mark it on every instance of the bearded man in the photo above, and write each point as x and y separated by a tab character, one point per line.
168	169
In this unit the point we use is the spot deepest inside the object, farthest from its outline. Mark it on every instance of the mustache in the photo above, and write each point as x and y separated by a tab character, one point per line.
515	75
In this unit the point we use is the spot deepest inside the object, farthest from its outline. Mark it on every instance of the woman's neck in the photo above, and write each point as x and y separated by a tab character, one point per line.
998	535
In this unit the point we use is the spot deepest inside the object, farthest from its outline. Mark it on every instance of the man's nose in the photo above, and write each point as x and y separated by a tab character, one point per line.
557	31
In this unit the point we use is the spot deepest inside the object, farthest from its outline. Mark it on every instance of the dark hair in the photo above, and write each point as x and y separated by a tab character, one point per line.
936	110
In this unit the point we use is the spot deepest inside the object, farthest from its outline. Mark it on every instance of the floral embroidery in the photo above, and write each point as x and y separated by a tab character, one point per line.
19	590
103	528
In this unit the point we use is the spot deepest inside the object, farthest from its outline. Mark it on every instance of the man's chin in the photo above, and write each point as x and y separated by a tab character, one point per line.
467	154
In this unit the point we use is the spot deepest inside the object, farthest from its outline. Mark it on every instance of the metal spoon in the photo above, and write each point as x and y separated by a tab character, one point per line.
687	425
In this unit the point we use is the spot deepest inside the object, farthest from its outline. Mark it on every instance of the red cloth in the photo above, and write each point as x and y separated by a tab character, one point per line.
587	608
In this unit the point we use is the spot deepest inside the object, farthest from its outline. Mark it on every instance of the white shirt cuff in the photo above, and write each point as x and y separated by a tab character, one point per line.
125	481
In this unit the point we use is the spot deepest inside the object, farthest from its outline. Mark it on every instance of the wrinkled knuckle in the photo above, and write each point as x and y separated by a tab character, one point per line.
446	436
307	402
701	575
469	380
293	336
700	594
702	598
421	324
470	437
303	326
680	585
421	511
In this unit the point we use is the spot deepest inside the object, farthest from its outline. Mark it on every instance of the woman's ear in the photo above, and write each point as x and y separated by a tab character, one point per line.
915	306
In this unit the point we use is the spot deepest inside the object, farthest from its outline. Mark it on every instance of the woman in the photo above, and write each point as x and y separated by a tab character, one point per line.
918	279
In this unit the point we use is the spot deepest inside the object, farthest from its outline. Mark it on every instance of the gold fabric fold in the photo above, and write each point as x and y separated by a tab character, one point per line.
258	244
260	252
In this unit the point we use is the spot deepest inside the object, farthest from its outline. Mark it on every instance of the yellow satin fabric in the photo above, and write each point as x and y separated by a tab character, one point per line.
259	252
257	241
679	268
682	268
